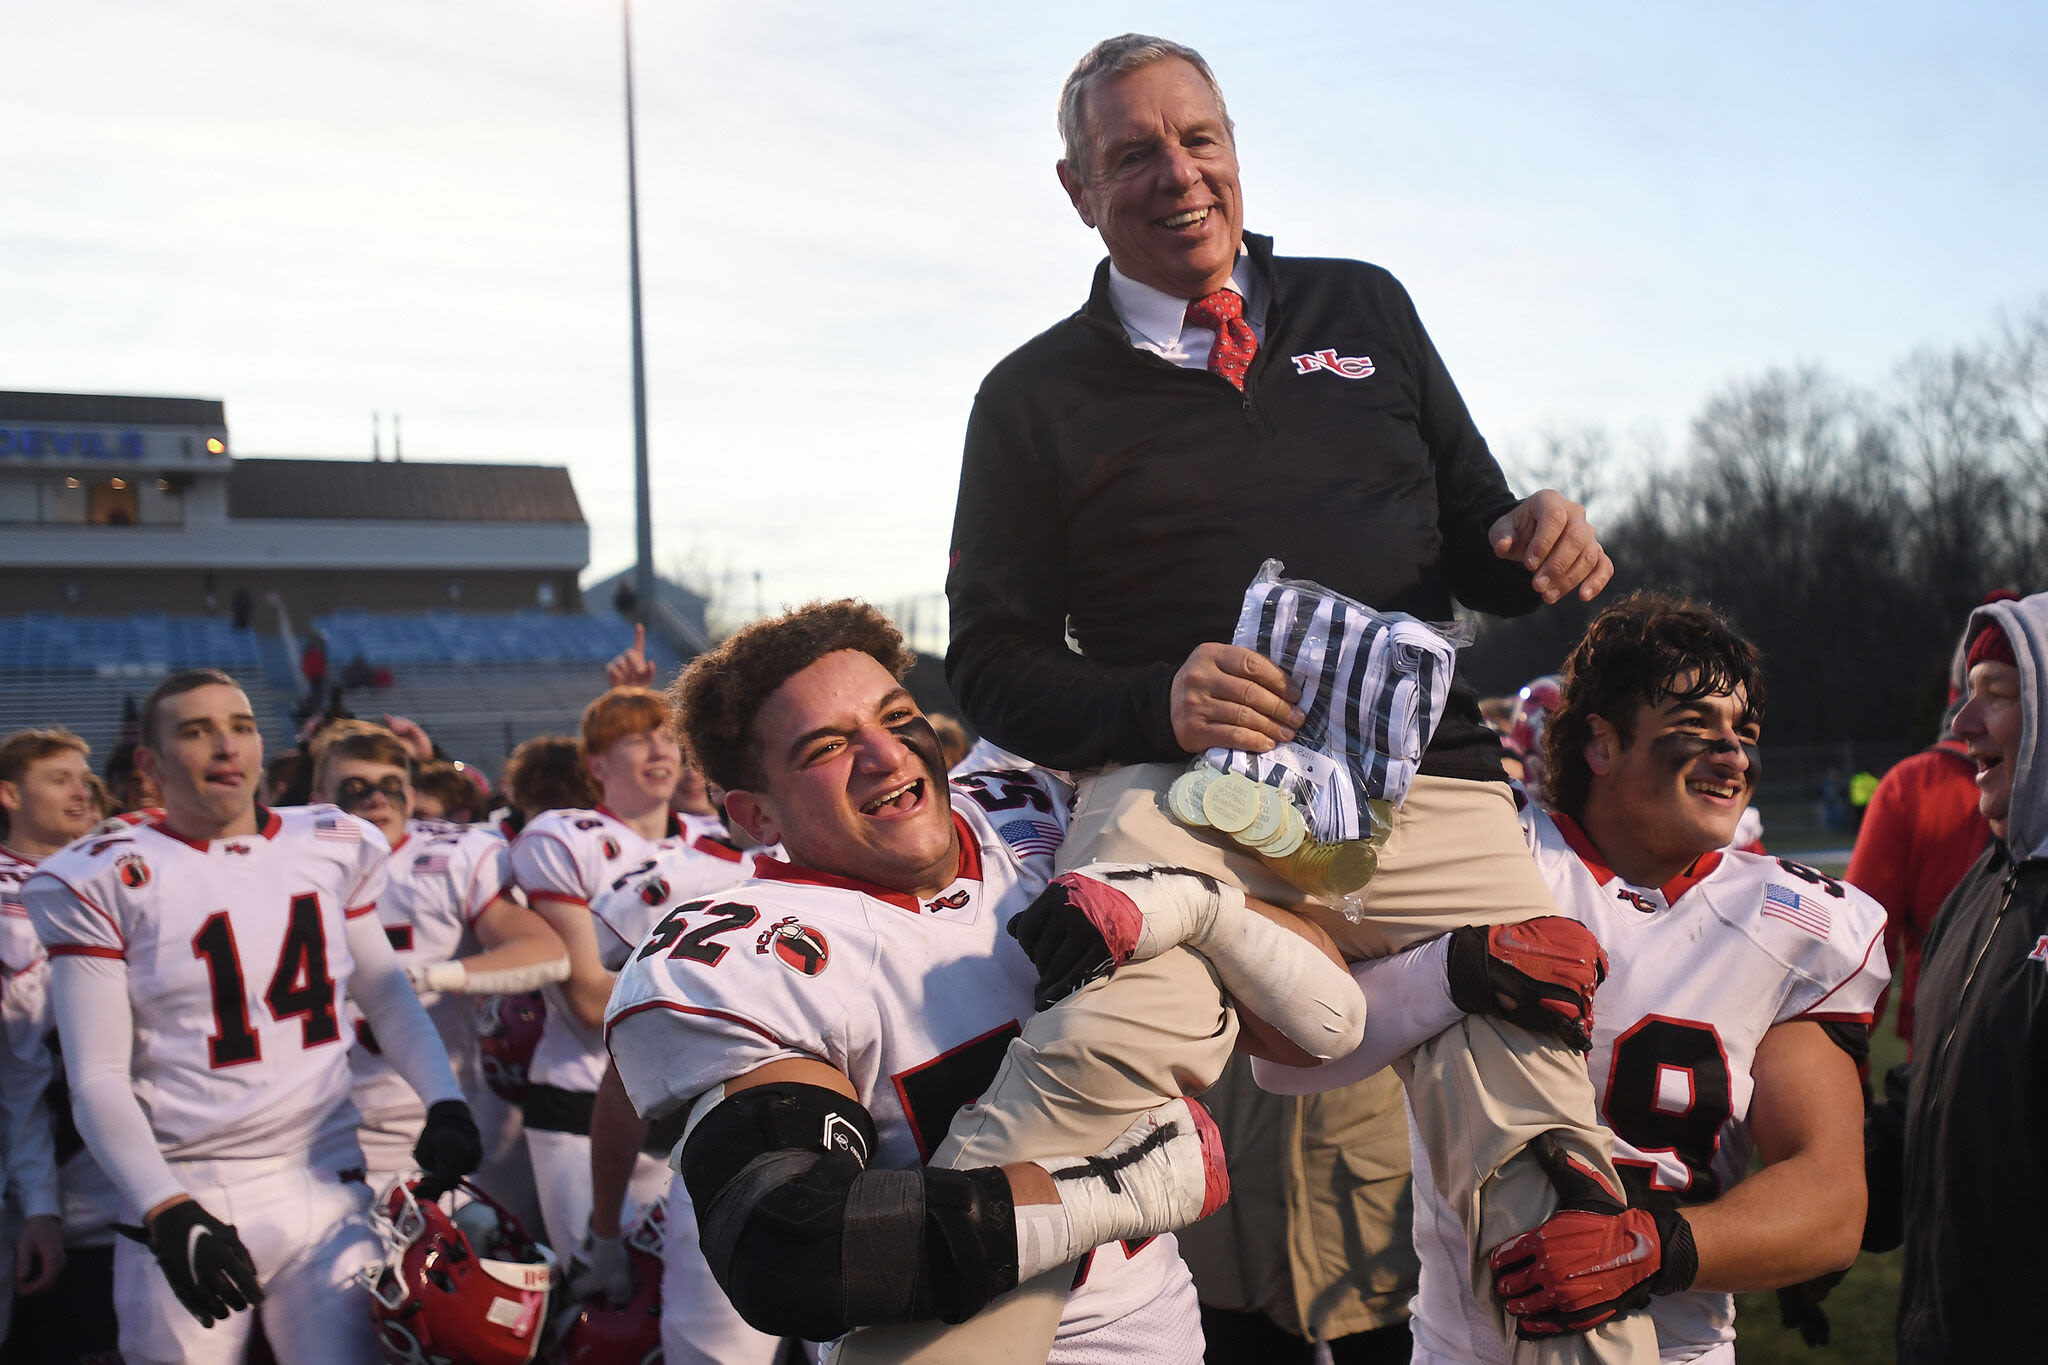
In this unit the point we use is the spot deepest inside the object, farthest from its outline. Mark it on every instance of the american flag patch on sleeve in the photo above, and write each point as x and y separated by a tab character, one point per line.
1793	908
1031	836
339	828
429	863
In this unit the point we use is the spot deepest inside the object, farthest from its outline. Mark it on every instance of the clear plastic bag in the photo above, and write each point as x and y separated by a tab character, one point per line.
1373	687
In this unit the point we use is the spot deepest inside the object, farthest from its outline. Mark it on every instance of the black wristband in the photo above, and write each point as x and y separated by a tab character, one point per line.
1681	1258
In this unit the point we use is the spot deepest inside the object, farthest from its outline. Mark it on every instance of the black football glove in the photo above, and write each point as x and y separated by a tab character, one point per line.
449	1148
1540	974
1799	1306
209	1269
1062	942
1593	1259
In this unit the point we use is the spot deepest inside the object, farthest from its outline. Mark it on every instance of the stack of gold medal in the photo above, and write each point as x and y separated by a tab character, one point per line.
1263	820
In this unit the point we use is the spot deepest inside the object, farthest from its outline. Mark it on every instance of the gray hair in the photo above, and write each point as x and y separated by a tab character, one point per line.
1107	60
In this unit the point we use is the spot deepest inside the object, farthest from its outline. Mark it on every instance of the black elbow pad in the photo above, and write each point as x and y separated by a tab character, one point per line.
806	1241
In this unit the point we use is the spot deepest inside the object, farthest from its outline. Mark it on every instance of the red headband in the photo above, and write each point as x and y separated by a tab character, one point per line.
1992	646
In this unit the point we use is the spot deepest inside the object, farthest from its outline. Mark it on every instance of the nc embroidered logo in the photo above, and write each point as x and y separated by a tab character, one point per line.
1344	366
2040	953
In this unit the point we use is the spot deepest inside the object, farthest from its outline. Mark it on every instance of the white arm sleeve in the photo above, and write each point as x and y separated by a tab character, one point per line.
1411	1003
24	1092
90	997
408	1038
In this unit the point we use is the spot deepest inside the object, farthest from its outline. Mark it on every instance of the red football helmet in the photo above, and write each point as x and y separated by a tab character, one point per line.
508	1030
463	1285
629	1334
1531	716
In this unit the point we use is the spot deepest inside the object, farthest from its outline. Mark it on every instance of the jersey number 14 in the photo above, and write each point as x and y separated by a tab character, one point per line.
301	988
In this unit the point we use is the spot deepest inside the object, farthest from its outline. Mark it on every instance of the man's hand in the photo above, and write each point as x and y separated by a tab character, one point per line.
209	1269
1229	697
1594	1258
1549	533
408	732
39	1254
631	667
449	1148
1540	974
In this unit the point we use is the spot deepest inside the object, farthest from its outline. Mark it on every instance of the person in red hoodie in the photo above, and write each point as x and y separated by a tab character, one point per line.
1919	836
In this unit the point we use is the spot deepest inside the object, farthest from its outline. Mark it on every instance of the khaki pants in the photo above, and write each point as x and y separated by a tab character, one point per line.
1318	1233
1082	1071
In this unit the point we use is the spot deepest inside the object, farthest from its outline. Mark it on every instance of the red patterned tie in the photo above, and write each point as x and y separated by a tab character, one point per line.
1223	313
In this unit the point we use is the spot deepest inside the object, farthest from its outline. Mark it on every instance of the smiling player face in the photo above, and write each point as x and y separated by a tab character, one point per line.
1161	181
852	779
1682	782
52	803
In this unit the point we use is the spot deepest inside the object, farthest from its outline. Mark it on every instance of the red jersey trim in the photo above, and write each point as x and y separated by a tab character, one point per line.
1811	1018
704	843
1575	838
1868	949
673	830
697	1010
268	823
536	896
776	870
83	950
359	911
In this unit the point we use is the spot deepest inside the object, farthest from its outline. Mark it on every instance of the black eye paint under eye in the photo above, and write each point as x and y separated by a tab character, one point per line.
1677	749
917	733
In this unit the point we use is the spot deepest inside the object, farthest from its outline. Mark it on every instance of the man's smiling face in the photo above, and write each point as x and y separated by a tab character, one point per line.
1687	772
850	778
1161	180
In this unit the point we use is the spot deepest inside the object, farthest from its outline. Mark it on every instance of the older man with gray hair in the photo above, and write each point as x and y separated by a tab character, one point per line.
1126	473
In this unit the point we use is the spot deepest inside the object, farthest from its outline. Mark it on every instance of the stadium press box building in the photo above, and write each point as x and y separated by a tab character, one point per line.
112	504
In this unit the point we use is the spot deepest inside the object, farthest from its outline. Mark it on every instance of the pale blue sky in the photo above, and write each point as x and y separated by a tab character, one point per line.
848	213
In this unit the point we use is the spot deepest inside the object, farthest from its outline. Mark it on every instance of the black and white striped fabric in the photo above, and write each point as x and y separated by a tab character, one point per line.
1373	685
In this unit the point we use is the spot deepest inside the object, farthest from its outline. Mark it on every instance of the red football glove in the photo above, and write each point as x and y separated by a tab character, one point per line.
1594	1258
1540	974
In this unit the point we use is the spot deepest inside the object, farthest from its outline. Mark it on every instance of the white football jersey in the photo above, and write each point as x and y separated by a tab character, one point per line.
35	1093
574	856
1700	970
914	1001
237	960
439	879
631	906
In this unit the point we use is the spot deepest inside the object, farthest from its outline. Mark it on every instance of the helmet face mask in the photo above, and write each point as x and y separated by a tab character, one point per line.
467	1285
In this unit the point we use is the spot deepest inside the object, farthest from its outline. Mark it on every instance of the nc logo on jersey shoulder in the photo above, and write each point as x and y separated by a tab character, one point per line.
952	902
797	946
611	847
1343	366
1637	899
653	891
133	872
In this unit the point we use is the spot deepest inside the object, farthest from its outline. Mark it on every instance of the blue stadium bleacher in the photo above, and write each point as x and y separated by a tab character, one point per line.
395	639
81	671
146	642
479	681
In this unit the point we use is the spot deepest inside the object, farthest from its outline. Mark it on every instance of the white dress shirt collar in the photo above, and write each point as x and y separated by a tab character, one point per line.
1153	318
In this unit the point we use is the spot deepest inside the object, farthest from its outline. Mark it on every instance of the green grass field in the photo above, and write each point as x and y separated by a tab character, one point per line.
1861	1310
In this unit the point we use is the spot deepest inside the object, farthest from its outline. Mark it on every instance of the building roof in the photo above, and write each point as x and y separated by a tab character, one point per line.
112	409
397	491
